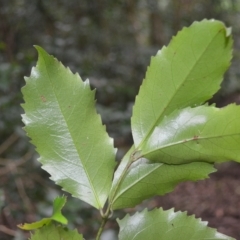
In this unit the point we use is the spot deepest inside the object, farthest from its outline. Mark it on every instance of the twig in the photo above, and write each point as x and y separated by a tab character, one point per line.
5	145
21	190
7	231
11	164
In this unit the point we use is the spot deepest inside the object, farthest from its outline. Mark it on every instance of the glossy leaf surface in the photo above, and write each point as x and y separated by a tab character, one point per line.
61	120
185	73
145	180
204	134
166	225
52	232
58	204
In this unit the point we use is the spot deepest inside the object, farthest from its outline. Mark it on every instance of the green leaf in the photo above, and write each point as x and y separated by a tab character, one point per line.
119	174
145	180
35	225
61	120
58	204
186	73
52	232
204	133
166	225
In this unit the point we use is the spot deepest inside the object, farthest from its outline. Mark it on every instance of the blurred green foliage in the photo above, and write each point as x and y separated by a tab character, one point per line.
109	42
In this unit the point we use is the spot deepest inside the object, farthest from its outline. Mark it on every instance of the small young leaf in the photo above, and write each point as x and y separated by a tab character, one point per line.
185	73
35	225
204	134
61	120
166	225
145	180
52	232
58	204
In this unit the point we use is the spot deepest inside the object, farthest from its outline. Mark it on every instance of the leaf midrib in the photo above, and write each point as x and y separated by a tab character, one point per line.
186	141
137	181
86	172
171	99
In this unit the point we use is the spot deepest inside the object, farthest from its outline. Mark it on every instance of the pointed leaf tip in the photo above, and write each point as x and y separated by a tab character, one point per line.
62	121
185	73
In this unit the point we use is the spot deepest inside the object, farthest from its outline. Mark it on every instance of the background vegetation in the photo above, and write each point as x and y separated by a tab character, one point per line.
109	42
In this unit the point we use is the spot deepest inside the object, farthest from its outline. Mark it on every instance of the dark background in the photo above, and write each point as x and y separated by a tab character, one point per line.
109	42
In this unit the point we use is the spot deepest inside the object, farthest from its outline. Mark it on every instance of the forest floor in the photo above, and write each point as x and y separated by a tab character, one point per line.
215	200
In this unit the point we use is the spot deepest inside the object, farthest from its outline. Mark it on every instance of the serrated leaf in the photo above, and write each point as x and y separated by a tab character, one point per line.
52	232
145	180
204	133
166	225
61	120
185	73
58	204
